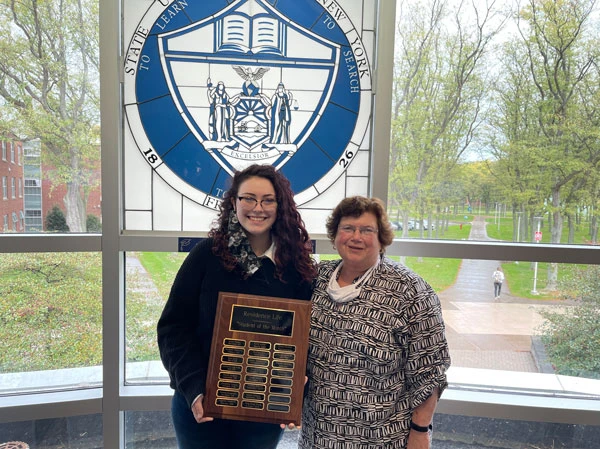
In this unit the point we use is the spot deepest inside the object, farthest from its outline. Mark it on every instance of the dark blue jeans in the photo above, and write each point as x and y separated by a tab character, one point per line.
497	288
220	433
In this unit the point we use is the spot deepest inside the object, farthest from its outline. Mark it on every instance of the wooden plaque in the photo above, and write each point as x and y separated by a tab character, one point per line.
258	359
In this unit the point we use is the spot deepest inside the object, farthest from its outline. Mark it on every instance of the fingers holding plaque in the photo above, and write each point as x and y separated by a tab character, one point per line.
258	359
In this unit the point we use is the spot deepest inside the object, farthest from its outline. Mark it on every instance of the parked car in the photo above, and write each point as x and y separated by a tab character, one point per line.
425	225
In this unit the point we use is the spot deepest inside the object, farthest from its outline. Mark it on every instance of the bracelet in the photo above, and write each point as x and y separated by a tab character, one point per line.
422	429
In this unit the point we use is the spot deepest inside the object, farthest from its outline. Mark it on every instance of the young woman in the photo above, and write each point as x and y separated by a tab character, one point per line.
258	246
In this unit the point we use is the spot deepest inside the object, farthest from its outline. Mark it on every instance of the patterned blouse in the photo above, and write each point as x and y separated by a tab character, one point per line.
372	360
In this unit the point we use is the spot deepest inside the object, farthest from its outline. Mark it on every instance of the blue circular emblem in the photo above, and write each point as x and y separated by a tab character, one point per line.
212	87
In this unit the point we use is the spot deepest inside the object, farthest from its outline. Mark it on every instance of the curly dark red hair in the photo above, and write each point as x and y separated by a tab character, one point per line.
293	245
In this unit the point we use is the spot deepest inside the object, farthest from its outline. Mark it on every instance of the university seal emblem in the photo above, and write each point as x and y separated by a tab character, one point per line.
214	86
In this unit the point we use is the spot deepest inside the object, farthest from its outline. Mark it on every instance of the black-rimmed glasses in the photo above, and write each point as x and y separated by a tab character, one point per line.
249	202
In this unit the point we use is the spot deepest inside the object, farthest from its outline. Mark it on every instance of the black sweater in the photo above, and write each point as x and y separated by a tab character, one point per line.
185	327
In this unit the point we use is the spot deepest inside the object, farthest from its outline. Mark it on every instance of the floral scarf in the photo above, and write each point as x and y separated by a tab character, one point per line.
240	248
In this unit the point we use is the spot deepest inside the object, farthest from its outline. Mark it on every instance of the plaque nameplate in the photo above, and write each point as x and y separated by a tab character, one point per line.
258	359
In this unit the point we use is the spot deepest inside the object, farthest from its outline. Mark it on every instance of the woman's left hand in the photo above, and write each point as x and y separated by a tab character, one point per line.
198	411
291	425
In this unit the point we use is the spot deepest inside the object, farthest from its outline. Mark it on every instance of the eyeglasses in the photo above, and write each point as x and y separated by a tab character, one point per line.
249	202
365	231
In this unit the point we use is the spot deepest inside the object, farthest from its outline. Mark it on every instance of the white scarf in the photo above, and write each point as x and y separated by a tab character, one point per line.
342	295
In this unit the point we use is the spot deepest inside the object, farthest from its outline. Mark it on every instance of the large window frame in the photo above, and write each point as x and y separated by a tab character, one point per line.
115	397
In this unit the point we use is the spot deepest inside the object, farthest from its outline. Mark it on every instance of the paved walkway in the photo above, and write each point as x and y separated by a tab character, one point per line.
483	332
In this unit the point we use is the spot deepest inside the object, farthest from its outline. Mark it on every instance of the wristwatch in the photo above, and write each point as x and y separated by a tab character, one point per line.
419	428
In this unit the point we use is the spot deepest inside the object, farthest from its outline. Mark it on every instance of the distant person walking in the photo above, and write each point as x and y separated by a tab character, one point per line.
498	278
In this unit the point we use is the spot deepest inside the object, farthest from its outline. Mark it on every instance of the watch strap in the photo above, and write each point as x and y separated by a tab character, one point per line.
419	428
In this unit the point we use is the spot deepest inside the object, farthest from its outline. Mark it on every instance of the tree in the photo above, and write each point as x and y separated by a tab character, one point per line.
512	137
561	62
55	221
49	83
437	97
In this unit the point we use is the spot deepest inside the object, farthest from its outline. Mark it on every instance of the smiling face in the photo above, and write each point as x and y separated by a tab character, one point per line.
256	218
359	251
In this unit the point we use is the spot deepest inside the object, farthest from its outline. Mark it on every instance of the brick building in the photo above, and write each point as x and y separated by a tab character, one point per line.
27	196
12	208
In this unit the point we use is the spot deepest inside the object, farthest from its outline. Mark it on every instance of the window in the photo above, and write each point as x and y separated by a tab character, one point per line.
54	300
458	156
12	152
13	188
5	225
4	188
33	218
3	144
20	188
149	276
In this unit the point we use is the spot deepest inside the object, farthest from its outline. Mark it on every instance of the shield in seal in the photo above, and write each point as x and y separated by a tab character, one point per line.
227	76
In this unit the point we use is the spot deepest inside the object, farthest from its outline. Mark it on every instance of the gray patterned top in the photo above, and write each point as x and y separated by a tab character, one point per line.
372	360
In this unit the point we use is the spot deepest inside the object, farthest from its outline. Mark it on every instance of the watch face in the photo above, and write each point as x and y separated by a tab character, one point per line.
212	86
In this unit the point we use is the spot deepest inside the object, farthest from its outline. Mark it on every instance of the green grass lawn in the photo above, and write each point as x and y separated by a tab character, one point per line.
145	304
520	279
439	273
163	267
503	230
453	232
50	311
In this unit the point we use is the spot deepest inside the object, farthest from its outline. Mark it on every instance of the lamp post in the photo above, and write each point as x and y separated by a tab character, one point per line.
538	237
499	212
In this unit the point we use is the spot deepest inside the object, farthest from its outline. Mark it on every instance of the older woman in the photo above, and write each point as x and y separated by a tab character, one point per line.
377	353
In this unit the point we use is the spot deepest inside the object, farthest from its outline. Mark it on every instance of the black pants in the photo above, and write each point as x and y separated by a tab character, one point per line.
497	288
220	433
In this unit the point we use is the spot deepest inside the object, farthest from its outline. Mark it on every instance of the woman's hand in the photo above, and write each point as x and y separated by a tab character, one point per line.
198	412
291	425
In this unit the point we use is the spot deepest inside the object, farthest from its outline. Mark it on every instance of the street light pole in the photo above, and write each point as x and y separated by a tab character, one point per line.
499	211
535	264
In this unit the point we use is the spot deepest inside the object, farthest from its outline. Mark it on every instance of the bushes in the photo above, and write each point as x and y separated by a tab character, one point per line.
56	221
572	335
93	224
